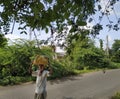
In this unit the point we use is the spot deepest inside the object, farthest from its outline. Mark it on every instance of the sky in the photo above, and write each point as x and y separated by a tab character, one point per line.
112	35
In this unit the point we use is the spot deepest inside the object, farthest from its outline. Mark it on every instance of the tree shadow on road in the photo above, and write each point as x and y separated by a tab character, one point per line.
64	79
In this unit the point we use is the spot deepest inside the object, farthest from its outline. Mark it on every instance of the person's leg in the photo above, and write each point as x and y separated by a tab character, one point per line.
41	96
35	96
45	95
38	96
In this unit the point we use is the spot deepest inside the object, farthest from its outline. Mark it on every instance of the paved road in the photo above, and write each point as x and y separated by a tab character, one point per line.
88	86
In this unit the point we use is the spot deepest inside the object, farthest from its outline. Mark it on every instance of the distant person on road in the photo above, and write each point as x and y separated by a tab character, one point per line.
104	70
41	80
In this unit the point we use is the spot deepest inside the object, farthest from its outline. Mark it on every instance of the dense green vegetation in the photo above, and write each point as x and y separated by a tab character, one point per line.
81	56
116	96
55	17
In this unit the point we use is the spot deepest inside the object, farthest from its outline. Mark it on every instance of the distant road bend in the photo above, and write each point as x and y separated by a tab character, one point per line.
95	85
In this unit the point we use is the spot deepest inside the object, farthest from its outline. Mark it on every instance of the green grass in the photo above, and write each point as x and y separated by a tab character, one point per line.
116	96
84	71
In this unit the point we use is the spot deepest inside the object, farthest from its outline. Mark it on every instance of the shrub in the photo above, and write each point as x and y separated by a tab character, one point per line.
4	81
58	70
114	65
11	80
116	96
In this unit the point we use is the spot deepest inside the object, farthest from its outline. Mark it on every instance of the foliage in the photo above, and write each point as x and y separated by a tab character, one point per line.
56	16
15	60
61	68
12	80
101	44
35	13
3	40
116	96
116	45
114	65
115	51
62	13
77	72
83	53
116	57
58	69
92	57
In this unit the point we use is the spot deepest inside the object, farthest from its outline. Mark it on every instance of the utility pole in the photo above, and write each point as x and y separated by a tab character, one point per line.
107	46
30	34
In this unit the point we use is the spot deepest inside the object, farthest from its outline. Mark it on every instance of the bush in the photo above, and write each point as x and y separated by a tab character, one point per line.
4	81
11	80
116	96
58	70
114	65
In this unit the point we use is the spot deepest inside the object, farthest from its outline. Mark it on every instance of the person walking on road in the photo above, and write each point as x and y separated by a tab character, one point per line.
41	80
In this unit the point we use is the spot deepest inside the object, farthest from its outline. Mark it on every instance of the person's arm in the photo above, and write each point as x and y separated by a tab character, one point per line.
50	71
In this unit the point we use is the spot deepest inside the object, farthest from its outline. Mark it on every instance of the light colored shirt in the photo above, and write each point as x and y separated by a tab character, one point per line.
41	82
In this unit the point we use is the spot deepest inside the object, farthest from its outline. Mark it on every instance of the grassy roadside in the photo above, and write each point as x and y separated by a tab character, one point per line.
22	80
77	72
116	96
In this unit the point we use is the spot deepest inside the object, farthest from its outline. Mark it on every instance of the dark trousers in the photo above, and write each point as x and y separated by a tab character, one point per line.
40	96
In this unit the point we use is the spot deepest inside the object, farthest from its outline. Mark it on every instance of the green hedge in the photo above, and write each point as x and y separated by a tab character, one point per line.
11	80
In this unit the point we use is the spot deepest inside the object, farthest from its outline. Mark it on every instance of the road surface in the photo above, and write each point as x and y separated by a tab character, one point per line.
95	85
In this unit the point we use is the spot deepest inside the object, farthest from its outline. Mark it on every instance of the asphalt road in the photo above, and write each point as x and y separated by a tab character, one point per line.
95	85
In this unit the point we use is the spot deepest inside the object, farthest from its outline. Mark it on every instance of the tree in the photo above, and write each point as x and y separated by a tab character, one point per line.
46	14
3	41
101	44
16	59
116	45
116	51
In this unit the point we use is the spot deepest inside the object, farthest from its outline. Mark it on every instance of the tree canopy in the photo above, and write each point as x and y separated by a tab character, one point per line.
116	51
45	14
116	45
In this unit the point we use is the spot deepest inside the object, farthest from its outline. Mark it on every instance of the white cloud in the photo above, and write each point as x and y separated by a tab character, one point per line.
12	36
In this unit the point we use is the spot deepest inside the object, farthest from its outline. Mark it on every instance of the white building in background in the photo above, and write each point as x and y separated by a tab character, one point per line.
59	53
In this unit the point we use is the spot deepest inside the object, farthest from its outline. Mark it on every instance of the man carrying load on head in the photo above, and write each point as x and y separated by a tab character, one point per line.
40	90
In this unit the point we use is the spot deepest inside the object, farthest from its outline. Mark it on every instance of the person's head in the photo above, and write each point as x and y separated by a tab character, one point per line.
41	66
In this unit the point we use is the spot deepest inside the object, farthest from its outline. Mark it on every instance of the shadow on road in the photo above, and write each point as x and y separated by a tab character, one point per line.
64	79
64	97
68	97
